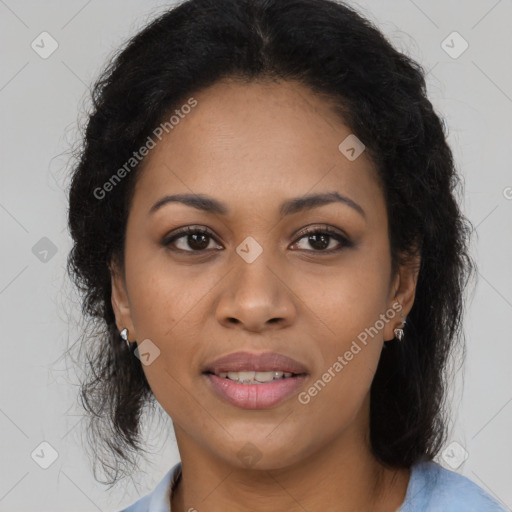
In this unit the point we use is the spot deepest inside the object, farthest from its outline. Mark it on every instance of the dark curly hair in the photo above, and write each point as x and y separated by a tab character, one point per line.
379	92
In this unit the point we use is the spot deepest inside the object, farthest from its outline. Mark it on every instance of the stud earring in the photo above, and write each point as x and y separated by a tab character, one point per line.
399	331
124	335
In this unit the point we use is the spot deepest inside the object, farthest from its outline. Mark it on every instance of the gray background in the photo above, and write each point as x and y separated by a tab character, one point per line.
40	101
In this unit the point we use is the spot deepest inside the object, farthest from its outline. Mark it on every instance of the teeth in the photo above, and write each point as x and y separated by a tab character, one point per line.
254	377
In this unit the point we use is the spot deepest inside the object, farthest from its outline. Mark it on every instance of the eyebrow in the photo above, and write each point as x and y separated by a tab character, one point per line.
289	207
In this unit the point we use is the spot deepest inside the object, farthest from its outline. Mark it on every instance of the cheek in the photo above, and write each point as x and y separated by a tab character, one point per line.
347	330
346	300
166	309
163	293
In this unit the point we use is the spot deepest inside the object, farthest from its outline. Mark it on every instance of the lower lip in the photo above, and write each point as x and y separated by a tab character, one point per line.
255	396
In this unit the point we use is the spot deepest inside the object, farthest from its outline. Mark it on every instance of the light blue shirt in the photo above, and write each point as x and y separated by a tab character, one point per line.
431	488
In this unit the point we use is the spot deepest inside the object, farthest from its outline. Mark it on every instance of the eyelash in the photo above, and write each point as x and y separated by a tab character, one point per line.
326	230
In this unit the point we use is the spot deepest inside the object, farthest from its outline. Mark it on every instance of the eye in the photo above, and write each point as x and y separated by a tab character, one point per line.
198	239
320	238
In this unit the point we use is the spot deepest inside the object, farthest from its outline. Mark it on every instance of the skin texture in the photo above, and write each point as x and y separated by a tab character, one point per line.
253	146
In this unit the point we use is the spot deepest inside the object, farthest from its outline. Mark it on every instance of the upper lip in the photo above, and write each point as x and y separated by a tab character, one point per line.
249	361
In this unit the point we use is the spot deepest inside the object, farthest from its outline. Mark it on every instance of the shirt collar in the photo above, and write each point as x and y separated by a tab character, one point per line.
161	496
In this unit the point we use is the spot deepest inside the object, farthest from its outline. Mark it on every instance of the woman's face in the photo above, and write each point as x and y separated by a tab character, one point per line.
257	282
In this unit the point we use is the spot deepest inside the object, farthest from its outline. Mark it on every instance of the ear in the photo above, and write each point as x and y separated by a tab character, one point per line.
120	302
403	291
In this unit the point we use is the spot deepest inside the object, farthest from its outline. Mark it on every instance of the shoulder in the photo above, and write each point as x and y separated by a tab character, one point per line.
141	505
434	488
158	500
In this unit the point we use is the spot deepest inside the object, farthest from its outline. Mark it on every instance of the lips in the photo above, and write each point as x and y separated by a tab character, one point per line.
262	362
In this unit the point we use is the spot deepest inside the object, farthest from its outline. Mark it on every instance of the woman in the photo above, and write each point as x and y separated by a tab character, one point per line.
265	224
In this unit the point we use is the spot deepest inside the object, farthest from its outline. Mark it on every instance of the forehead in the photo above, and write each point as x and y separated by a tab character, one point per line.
256	142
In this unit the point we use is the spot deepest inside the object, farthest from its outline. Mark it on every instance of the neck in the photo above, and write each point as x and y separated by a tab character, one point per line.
343	475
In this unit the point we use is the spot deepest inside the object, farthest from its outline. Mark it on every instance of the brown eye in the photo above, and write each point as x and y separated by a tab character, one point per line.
196	239
320	239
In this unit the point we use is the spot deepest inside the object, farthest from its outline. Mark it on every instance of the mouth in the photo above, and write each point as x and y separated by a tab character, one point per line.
254	377
249	393
255	367
255	381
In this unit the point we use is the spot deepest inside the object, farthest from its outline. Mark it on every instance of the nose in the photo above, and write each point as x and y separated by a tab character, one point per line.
256	296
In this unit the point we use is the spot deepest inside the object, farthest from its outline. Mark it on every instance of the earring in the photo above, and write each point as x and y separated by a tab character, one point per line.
124	335
399	331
